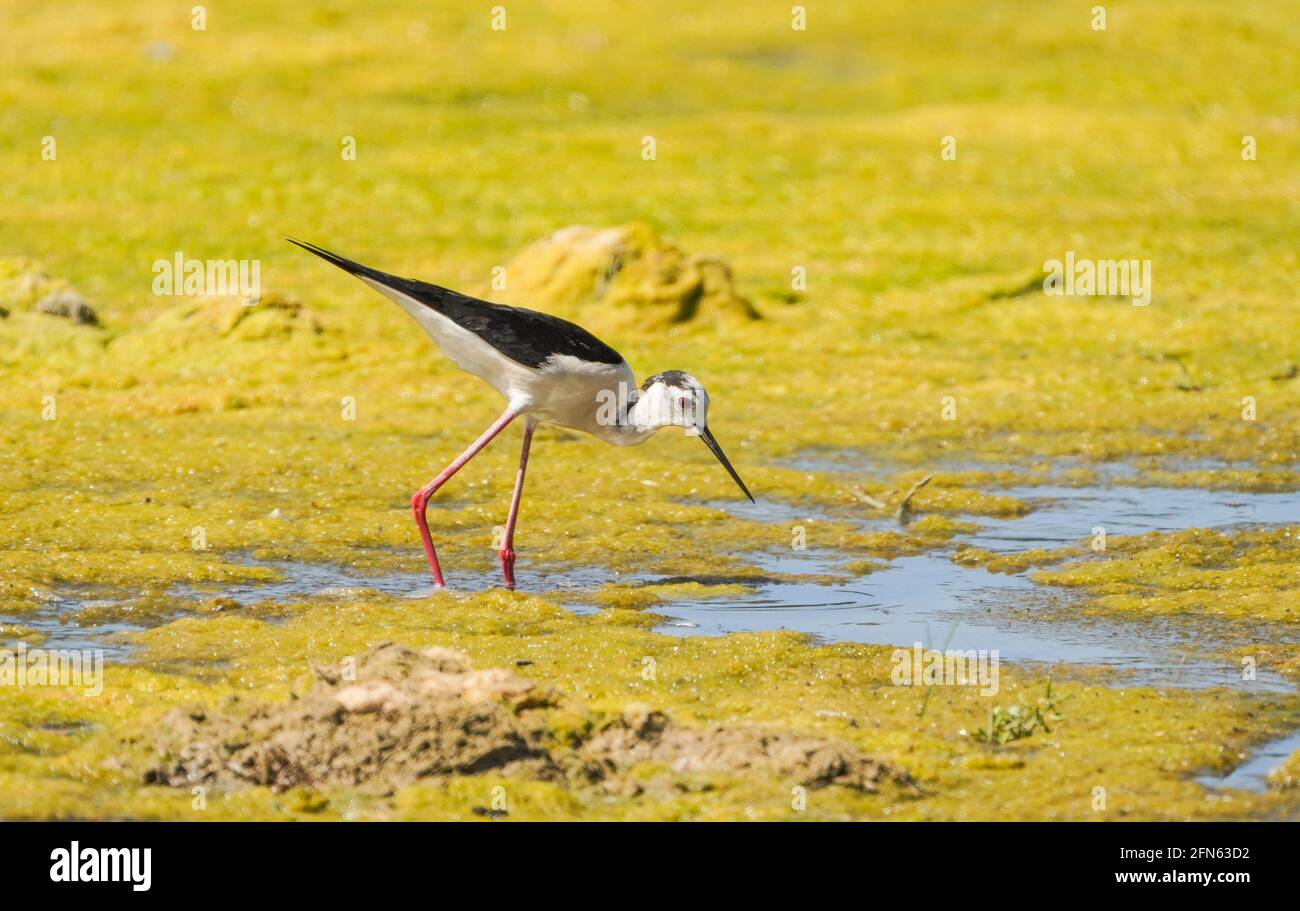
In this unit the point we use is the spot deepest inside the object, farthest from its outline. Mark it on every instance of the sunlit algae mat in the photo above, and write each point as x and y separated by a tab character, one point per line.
1026	528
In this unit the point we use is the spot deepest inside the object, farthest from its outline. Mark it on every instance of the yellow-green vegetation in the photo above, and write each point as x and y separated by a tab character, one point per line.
1012	563
896	314
1246	575
616	279
1287	775
1282	658
68	755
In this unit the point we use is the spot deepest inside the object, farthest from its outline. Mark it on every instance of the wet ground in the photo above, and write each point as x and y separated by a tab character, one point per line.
927	598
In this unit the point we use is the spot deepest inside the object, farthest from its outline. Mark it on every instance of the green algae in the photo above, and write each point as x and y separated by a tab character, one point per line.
1012	563
1139	744
647	596
190	435
204	329
1244	575
1287	775
13	632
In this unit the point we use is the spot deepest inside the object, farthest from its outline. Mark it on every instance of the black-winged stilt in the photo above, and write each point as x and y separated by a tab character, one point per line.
549	370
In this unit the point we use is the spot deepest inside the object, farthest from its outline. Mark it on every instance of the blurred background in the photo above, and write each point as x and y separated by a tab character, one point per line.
774	145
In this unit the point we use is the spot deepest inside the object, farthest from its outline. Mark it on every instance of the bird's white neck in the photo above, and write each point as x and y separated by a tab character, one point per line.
635	425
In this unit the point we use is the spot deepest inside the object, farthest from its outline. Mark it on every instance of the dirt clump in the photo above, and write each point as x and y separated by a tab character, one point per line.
395	716
641	734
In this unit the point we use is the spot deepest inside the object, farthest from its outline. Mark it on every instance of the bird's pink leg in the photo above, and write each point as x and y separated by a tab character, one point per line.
508	546
421	498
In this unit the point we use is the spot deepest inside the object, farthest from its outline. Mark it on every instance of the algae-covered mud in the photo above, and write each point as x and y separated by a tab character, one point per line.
1022	549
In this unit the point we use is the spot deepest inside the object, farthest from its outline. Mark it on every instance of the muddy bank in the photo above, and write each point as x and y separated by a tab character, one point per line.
641	734
396	715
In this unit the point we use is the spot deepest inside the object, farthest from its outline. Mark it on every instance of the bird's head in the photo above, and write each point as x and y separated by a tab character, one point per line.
677	399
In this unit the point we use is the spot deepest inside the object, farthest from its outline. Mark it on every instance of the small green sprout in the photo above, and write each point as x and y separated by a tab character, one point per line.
1019	721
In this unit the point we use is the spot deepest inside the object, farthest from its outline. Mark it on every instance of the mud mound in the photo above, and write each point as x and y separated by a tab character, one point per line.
622	277
644	735
397	716
202	320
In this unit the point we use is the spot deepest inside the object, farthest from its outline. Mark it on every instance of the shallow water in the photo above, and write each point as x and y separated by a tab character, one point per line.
298	580
930	599
55	621
925	598
1252	775
933	601
868	466
1067	515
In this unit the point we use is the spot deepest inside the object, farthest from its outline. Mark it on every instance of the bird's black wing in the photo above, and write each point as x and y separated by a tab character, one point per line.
522	335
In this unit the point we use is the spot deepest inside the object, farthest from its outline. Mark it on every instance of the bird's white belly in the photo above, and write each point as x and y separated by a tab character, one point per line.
465	349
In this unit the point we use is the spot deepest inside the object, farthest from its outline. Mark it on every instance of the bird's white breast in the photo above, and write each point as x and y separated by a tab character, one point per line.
582	395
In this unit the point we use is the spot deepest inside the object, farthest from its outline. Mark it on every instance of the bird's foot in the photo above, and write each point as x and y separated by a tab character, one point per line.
508	567
438	581
418	504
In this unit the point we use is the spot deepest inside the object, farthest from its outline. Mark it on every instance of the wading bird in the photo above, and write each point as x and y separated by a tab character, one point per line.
549	370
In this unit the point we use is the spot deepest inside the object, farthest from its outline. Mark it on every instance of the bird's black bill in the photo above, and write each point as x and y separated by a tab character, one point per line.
707	436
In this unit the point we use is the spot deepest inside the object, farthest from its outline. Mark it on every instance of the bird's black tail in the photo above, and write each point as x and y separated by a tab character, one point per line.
450	303
526	336
348	265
